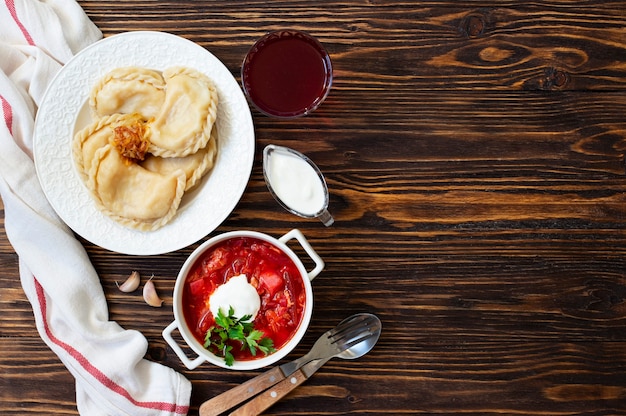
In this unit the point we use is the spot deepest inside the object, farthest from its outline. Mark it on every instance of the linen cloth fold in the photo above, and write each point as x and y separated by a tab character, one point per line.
70	309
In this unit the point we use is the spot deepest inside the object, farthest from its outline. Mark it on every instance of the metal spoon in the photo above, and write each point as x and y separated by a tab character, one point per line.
356	344
352	338
346	340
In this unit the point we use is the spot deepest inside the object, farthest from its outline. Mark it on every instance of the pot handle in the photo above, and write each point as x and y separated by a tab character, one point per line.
319	263
167	335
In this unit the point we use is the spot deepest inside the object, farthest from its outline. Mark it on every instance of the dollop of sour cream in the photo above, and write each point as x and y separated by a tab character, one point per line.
238	294
296	183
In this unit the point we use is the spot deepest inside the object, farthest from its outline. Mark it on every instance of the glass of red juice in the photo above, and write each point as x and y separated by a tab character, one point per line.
286	74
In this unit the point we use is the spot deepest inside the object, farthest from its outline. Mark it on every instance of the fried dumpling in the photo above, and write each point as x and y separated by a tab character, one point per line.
194	165
128	90
186	118
131	195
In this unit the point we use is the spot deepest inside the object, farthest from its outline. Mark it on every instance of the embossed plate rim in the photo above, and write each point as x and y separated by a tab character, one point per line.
204	209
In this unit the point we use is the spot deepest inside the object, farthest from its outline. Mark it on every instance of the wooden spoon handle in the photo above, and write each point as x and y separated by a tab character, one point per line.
241	393
270	396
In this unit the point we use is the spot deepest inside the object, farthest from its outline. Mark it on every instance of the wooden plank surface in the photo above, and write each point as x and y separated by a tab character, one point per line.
474	153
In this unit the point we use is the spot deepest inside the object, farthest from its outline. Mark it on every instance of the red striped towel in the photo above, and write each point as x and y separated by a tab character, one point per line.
71	313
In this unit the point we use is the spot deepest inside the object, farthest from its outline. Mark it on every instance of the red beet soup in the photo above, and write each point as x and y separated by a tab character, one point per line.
268	269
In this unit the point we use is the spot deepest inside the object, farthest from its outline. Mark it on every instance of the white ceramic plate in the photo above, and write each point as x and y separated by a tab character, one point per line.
64	109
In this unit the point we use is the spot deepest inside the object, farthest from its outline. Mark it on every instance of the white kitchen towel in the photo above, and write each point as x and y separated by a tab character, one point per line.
71	313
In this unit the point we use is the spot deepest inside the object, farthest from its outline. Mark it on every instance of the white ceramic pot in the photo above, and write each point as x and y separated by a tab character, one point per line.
262	360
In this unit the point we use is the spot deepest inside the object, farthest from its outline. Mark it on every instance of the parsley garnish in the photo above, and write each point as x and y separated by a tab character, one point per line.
235	329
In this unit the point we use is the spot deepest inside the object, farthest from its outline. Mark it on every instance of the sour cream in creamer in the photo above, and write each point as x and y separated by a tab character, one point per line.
295	182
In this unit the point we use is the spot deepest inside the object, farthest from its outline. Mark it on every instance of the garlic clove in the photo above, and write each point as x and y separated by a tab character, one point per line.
131	283
150	295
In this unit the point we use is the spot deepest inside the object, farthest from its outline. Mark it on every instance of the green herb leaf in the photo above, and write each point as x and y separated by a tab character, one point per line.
230	328
228	356
266	345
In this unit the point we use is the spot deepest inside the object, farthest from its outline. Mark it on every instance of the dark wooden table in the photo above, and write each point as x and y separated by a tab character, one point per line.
474	153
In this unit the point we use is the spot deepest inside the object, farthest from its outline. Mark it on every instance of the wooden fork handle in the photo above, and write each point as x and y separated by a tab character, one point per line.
241	393
270	396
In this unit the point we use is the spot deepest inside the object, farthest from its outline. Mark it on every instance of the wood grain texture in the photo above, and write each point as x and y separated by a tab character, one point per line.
474	154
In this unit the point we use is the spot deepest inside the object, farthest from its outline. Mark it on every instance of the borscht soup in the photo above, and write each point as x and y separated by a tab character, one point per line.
244	277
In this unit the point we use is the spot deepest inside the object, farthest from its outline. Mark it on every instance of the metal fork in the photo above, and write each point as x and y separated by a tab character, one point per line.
334	342
349	332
